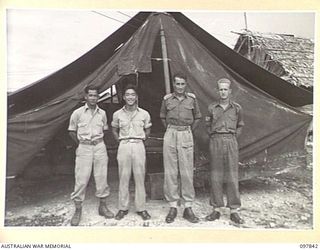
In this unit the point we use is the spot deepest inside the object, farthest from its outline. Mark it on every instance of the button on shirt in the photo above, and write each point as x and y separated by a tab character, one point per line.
181	113
131	123
88	125
224	121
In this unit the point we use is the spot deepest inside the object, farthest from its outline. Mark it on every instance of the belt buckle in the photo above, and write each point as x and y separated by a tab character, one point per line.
95	142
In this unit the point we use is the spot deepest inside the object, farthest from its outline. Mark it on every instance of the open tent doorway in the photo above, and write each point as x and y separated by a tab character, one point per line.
41	111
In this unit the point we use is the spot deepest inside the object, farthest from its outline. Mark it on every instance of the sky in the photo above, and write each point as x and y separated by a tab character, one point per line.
40	42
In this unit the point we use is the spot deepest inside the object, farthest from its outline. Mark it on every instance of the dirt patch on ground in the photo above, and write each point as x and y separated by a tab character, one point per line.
283	201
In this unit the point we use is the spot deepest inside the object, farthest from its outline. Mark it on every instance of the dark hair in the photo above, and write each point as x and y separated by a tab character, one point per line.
179	75
130	86
90	87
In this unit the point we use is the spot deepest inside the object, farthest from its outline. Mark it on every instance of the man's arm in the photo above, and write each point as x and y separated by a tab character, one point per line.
196	114
240	122
73	135
195	124
164	122
208	119
147	132
238	132
115	132
163	113
105	136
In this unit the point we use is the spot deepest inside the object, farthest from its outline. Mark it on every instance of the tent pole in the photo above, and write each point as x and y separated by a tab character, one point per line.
165	61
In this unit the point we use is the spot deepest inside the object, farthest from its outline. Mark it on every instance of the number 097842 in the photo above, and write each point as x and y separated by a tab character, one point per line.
308	246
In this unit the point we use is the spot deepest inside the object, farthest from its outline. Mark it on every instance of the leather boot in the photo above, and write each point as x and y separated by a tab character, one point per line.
189	215
104	210
171	215
77	214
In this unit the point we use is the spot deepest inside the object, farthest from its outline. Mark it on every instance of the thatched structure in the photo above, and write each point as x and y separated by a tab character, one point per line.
286	56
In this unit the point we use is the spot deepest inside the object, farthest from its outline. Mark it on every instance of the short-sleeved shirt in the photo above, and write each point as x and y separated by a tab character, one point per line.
131	124
88	125
224	121
180	112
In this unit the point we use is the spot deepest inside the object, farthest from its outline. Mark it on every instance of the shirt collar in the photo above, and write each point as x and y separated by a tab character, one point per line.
86	107
124	108
175	95
230	104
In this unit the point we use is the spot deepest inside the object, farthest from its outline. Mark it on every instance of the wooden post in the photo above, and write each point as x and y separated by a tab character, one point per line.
245	21
165	61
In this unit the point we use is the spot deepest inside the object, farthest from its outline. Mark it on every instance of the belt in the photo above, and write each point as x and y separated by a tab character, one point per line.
178	127
91	142
222	134
132	140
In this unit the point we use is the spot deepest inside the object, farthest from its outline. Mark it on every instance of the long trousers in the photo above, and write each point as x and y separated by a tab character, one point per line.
88	157
178	162
224	157
131	158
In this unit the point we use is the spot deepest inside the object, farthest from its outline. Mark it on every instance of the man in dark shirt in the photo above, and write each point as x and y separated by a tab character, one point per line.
180	114
224	124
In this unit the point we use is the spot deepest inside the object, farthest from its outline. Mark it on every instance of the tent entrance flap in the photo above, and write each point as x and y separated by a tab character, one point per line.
34	121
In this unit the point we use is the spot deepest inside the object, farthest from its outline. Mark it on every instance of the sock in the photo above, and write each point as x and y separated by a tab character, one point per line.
233	210
217	209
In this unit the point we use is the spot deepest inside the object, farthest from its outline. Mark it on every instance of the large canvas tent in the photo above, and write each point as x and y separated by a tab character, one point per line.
134	53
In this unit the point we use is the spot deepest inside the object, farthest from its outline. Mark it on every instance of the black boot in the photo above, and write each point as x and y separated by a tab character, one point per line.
104	210
189	215
77	214
171	215
236	218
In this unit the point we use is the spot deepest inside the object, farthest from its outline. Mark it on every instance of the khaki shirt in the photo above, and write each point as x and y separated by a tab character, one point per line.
181	113
87	125
131	124
224	121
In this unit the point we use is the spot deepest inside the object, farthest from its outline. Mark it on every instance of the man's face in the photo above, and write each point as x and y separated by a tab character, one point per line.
130	97
224	90
179	85
92	97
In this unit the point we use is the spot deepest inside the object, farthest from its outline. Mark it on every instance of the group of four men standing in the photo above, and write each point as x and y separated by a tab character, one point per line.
131	126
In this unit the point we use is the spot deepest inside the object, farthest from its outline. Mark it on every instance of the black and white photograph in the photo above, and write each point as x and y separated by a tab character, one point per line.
160	119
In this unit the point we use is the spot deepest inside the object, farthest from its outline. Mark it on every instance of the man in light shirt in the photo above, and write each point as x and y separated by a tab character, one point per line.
86	128
131	126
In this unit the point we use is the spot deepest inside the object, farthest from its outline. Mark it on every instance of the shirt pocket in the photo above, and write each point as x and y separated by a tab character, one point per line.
123	124
188	106
83	128
171	106
232	117
232	121
124	128
98	128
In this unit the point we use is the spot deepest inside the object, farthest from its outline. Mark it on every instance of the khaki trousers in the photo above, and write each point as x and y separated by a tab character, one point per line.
178	164
131	158
224	154
88	157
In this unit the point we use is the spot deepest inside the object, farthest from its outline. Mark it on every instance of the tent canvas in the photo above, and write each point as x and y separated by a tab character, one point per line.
273	126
